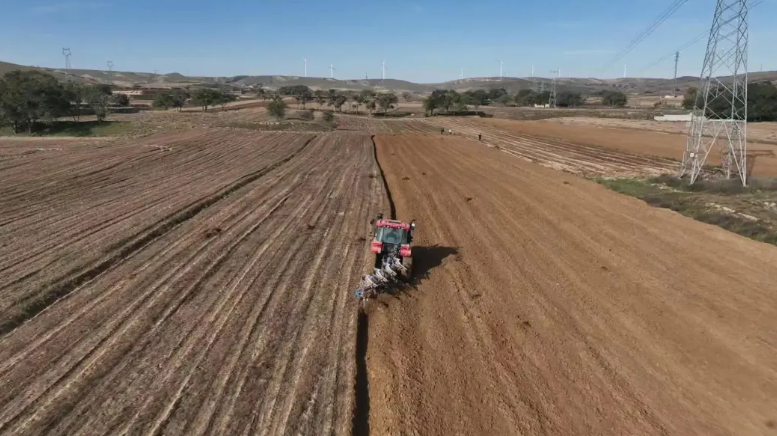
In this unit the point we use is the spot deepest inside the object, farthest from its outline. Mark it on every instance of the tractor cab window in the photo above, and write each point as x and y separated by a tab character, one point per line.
390	236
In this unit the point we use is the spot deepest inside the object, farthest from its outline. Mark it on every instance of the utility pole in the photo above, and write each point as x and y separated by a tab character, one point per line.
66	52
713	126
676	61
552	101
110	65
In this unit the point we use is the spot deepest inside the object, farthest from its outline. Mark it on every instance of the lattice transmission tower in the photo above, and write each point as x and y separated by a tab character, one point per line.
719	118
66	53
552	101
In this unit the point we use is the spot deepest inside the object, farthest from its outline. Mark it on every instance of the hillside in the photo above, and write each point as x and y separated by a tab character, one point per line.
649	86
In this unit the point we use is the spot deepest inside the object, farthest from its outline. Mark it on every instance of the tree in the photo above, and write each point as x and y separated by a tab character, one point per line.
98	97
277	108
331	97
503	99
163	100
340	100
407	96
328	116
371	106
205	97
494	94
179	99
689	99
358	99
29	96
120	100
614	98
569	99
761	102
477	98
260	91
75	93
430	104
526	97
225	98
386	100
303	95
320	97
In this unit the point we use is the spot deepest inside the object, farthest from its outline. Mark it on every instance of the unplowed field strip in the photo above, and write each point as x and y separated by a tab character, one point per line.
556	307
388	125
239	320
67	211
585	160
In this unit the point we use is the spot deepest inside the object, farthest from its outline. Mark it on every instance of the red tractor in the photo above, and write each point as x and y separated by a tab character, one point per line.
392	246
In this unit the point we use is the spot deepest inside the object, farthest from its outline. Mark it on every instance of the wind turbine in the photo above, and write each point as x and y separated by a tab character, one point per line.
384	69
532	70
501	65
461	76
306	67
332	71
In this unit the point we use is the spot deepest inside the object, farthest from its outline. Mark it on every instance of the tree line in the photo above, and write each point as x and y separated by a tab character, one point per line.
761	101
372	101
451	102
28	98
202	97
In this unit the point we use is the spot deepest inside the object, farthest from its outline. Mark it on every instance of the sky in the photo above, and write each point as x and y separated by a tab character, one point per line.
425	41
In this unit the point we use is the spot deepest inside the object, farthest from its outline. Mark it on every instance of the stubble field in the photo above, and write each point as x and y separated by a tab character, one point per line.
199	281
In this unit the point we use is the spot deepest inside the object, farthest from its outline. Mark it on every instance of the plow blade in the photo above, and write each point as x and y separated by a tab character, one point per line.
380	280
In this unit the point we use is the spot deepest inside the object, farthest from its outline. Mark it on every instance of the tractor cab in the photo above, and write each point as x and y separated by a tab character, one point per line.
392	233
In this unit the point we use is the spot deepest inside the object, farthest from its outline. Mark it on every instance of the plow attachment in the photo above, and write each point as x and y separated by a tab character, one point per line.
381	279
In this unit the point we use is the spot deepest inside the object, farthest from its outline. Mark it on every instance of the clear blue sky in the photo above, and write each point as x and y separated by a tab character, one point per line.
421	40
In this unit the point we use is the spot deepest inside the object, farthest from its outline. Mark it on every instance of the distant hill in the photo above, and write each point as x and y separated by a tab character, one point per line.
642	86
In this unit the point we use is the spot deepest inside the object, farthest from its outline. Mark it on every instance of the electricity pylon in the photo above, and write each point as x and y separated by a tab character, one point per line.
719	118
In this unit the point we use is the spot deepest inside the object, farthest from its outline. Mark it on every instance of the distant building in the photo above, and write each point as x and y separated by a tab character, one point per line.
675	118
129	92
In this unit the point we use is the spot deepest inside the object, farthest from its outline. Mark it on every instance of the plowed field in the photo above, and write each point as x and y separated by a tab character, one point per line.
556	307
559	153
196	283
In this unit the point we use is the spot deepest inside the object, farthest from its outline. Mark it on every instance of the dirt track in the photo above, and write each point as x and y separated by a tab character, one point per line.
554	306
237	318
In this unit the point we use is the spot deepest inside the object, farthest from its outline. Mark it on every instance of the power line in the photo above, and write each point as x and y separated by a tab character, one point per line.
693	41
668	12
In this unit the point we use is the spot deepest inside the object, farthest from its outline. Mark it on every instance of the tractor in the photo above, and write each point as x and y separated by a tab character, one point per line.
392	246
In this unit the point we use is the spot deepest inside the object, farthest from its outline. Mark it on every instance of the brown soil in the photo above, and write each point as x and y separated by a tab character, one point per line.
232	315
554	306
756	132
631	141
557	153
